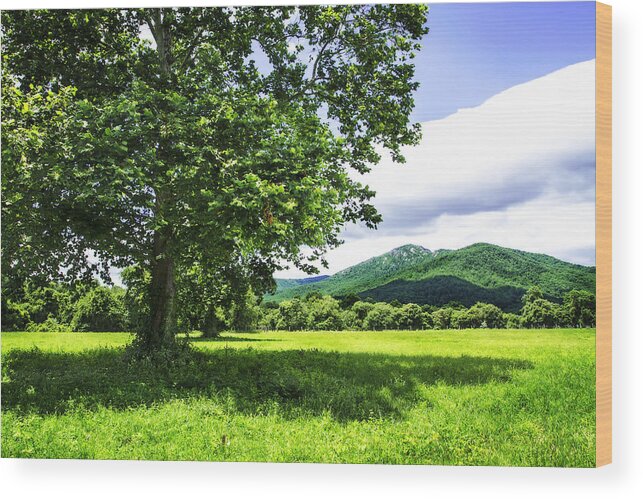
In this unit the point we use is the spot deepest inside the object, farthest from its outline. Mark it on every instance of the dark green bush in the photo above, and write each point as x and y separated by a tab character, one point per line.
102	309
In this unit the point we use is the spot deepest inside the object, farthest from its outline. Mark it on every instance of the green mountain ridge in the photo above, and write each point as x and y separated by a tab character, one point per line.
480	272
293	283
366	275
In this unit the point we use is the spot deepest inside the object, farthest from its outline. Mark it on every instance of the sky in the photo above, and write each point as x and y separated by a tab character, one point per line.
506	103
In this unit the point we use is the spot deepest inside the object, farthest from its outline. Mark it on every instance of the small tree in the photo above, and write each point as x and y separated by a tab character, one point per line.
411	316
268	318
293	315
381	316
441	318
244	313
102	309
33	303
581	308
540	313
427	320
512	321
324	313
532	294
361	310
481	315
350	320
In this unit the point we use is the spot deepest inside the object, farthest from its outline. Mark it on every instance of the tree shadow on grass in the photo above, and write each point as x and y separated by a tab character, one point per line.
348	386
229	339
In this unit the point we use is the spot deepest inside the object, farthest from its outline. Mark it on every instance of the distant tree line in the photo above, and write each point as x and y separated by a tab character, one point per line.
61	307
58	307
322	312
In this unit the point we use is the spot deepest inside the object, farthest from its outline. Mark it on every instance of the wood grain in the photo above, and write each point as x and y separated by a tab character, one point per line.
603	234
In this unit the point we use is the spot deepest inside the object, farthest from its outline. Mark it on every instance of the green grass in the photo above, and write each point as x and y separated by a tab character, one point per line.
504	397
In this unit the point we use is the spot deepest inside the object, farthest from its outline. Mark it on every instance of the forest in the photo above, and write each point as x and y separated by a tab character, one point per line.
102	308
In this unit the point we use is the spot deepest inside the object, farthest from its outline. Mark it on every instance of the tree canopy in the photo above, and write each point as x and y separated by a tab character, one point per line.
183	148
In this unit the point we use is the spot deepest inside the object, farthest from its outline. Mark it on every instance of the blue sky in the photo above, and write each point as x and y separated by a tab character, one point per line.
506	102
476	50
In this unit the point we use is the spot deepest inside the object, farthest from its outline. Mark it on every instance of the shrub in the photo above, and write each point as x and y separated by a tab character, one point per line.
512	321
102	309
50	325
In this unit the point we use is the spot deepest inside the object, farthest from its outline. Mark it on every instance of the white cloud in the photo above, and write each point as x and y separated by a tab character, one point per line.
518	171
551	224
534	136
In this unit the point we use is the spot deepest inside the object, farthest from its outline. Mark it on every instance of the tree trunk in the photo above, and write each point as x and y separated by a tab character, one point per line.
160	32
162	327
162	296
212	323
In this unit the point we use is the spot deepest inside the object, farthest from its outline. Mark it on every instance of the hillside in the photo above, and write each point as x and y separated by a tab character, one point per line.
480	272
368	274
283	284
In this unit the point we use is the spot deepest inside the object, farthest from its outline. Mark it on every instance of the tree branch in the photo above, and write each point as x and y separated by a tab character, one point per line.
190	50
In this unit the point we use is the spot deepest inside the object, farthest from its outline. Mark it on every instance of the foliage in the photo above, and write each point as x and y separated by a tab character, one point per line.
478	273
481	315
381	316
136	280
441	318
350	320
412	317
58	308
532	294
293	315
29	304
113	309
540	313
269	319
324	314
537	313
512	321
50	325
361	309
102	309
183	152
244	313
581	307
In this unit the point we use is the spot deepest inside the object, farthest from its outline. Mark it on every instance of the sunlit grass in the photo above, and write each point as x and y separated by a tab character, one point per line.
500	397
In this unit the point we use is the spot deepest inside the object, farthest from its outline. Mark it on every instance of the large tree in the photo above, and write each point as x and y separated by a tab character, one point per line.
169	138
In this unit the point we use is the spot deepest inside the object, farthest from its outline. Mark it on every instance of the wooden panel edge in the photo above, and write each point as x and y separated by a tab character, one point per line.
603	234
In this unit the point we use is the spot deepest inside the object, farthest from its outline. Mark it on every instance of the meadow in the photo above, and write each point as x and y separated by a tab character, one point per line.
472	397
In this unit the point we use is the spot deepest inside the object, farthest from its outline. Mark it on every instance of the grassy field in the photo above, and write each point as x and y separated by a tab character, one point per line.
484	397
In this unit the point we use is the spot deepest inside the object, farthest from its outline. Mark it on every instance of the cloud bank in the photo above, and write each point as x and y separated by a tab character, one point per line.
518	171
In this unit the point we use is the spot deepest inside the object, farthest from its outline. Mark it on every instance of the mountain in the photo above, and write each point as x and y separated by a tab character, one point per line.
293	283
480	272
368	274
